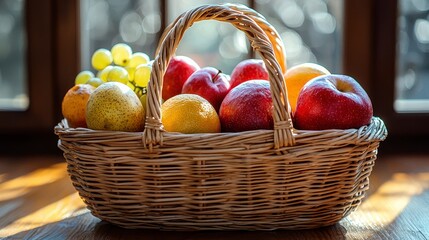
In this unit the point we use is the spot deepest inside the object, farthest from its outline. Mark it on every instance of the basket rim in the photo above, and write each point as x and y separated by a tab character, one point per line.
375	131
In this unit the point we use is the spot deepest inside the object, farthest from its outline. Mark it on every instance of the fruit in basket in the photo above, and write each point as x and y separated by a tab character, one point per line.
121	54
249	69
101	58
102	74
209	83
74	104
297	76
140	81
143	100
189	113
131	69
95	82
118	74
332	102
246	107
114	106
176	74
142	75
83	77
138	58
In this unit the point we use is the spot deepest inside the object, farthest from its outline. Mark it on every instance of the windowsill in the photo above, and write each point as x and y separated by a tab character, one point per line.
412	106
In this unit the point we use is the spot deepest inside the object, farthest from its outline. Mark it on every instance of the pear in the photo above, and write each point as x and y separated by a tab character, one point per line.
114	106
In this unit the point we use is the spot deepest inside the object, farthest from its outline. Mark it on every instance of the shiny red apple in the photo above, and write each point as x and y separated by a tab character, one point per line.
249	69
209	83
246	107
178	71
332	102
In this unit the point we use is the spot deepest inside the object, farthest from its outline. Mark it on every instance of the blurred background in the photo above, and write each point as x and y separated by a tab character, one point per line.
44	44
311	29
412	76
13	77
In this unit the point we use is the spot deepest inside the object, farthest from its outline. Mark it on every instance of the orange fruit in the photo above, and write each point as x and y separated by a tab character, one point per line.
297	76
189	113
74	104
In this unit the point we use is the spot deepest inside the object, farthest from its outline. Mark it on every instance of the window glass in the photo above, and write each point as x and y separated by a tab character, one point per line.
106	22
210	43
412	77
13	79
310	29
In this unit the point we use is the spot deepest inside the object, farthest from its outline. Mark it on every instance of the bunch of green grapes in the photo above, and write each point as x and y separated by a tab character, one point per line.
119	64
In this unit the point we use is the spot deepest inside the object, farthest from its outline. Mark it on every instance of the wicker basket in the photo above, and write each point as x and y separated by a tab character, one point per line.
256	180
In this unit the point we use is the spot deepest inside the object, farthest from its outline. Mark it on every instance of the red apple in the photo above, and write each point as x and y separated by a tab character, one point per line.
208	83
177	72
247	107
332	102
249	69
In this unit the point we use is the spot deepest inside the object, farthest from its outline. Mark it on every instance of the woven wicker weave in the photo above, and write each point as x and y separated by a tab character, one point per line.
256	180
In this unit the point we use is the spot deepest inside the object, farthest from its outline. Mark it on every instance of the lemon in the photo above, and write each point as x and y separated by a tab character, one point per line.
189	113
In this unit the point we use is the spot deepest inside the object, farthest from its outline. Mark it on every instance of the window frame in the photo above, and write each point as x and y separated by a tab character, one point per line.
38	23
399	123
370	41
52	50
51	62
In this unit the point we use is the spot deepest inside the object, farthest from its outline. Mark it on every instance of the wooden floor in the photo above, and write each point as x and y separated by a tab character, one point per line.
37	201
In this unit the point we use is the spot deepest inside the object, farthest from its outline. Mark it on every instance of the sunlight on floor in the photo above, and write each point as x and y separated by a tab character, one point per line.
57	211
18	186
390	200
18	192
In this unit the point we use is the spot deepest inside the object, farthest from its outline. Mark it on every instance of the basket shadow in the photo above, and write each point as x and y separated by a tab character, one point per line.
76	227
336	231
85	226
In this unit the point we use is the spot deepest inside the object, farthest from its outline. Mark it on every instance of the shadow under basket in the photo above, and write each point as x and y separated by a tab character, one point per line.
254	180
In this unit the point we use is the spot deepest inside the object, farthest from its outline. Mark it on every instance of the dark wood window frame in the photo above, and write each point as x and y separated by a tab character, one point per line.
38	117
53	60
370	39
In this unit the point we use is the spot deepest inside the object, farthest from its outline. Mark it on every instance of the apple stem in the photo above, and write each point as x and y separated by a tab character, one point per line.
219	72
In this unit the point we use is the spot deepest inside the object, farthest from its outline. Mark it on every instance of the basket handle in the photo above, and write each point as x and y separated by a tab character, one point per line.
152	134
271	32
